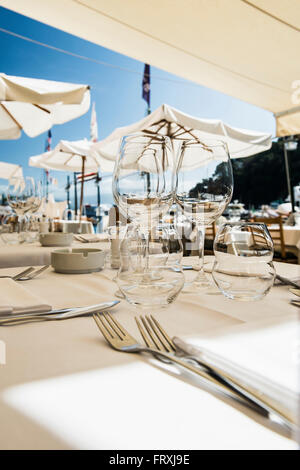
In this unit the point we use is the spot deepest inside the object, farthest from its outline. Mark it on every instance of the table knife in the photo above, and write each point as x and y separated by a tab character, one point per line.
61	314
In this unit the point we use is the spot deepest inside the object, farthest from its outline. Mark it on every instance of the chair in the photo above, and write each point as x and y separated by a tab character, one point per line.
210	234
275	227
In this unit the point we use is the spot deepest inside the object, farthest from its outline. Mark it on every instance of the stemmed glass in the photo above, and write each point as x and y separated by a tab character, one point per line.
204	186
24	198
144	180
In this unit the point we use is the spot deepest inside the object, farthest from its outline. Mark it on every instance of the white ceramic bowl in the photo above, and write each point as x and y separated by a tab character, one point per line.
78	260
56	239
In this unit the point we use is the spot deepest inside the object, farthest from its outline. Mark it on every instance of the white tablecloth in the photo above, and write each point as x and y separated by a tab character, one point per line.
291	235
34	254
63	387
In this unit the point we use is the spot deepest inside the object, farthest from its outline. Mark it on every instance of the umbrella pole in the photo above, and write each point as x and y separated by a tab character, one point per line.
288	177
75	195
82	186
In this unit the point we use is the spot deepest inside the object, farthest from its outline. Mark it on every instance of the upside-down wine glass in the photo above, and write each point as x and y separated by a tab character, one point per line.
204	186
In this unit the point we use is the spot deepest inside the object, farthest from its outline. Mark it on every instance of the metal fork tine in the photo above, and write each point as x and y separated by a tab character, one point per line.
158	334
23	273
163	332
157	345
103	328
112	325
144	336
120	327
39	271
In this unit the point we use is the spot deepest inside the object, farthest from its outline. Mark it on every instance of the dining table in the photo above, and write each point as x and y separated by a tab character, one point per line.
34	254
63	387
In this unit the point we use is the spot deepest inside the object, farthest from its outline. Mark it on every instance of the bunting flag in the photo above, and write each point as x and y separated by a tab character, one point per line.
146	86
94	125
48	142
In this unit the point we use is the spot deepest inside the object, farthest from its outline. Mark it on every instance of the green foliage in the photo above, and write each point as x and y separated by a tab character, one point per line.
261	179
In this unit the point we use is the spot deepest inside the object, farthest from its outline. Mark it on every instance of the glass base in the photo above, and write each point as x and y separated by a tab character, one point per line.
201	284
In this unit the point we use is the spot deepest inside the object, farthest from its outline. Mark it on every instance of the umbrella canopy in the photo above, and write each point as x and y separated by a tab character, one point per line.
11	172
169	121
77	156
68	156
244	48
35	105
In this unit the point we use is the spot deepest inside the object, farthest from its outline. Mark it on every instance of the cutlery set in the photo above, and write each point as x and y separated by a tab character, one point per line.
160	345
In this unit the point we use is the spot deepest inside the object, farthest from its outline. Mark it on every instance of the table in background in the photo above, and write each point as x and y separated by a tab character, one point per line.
34	254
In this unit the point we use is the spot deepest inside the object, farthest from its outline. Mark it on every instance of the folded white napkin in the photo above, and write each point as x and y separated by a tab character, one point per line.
93	237
15	299
261	355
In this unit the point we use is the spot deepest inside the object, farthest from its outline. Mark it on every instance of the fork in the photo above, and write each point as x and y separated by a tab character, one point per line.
16	277
27	274
159	339
32	275
118	338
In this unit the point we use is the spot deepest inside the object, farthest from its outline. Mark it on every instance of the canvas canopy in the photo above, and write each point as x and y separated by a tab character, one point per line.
68	155
76	156
12	173
166	120
244	48
35	105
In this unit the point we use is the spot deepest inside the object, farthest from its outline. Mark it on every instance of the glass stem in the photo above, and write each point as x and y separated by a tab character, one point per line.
201	238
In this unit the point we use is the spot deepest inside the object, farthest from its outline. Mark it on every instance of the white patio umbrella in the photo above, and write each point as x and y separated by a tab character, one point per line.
12	173
169	121
35	105
76	156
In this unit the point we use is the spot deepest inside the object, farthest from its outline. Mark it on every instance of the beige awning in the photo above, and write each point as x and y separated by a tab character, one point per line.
244	48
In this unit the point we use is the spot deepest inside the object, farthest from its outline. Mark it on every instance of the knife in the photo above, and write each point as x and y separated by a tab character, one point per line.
286	281
61	314
192	353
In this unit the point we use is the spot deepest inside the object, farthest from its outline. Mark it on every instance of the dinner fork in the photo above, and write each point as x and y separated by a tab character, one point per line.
118	338
16	277
33	274
27	274
158	339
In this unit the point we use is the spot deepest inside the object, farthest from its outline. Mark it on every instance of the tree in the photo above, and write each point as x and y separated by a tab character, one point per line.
261	179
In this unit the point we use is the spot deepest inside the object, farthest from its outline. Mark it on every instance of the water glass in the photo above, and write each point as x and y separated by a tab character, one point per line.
243	267
148	278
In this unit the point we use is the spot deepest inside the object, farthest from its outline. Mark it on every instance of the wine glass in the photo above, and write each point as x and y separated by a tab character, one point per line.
204	186
144	179
24	197
144	176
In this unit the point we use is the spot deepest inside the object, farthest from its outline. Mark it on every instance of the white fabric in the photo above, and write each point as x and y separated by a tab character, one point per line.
54	368
53	209
15	299
12	173
67	156
291	235
259	354
241	48
241	142
35	105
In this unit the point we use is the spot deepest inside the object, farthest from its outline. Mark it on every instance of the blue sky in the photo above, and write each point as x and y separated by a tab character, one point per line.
117	93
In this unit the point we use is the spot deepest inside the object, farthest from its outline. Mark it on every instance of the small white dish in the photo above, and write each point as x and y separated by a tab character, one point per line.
78	260
56	239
